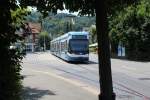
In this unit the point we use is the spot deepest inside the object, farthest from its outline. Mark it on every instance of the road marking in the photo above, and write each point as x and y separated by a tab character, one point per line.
83	86
129	68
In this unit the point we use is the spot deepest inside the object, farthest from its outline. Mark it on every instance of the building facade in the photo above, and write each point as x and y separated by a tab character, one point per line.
31	34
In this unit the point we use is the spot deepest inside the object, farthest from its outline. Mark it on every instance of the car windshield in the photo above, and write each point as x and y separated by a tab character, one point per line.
79	45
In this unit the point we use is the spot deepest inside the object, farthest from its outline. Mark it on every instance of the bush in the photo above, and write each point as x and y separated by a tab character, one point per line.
10	78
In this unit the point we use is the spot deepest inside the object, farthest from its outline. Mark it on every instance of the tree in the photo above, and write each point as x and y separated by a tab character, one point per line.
93	34
44	40
130	28
34	16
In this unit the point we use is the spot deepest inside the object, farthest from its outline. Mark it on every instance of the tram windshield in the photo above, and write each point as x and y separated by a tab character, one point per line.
77	45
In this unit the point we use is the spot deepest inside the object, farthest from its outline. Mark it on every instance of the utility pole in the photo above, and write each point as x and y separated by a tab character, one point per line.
44	44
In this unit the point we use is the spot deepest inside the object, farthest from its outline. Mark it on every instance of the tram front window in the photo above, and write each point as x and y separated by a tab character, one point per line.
78	46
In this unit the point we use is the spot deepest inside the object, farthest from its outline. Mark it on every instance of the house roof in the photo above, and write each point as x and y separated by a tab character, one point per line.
35	27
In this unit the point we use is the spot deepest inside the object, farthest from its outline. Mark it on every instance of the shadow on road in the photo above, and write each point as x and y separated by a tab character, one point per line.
25	76
92	62
34	93
81	62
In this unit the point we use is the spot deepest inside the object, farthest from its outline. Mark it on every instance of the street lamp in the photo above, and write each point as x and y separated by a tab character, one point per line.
44	44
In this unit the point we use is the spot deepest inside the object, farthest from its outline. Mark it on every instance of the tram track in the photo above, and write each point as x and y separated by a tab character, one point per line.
129	90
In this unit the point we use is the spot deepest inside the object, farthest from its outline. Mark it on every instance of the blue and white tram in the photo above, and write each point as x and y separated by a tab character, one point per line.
72	46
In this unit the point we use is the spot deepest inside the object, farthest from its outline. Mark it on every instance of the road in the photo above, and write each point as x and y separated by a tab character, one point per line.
130	79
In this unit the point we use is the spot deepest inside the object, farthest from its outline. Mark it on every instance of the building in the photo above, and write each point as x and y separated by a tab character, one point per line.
31	34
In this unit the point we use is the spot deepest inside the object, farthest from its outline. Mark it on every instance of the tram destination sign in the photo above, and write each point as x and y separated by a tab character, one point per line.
79	37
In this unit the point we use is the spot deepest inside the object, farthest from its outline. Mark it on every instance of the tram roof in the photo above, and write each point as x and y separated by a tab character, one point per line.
77	33
71	33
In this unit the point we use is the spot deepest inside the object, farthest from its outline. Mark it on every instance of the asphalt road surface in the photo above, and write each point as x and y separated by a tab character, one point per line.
131	80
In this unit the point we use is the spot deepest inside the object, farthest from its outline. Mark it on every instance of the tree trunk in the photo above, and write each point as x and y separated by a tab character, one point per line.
106	88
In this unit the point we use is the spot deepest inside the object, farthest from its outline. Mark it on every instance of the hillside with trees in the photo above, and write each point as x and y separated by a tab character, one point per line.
58	24
61	21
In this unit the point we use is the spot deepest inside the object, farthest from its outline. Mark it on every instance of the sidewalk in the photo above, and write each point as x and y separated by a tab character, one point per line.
41	86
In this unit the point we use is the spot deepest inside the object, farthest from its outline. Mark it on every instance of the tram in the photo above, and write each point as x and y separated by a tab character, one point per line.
72	46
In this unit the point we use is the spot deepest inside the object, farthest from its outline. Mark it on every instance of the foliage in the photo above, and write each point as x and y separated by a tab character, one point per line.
18	16
93	49
83	6
44	39
33	17
10	78
93	35
131	27
58	24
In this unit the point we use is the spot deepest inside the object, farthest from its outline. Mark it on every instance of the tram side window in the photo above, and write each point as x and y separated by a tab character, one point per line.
66	45
51	47
55	46
62	46
59	46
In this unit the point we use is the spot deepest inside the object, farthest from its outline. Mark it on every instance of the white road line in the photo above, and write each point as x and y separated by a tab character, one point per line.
129	68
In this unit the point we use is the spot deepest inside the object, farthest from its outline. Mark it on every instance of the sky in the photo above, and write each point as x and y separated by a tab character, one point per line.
67	11
58	11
